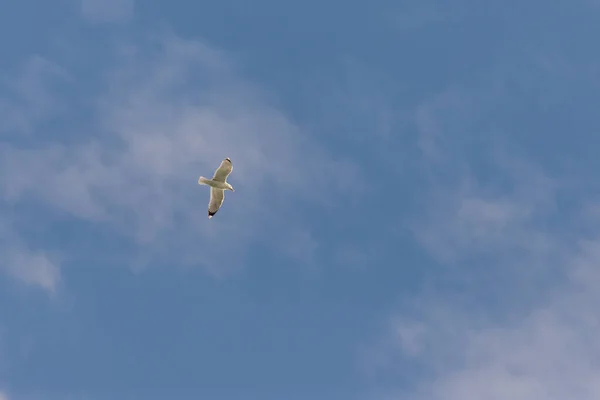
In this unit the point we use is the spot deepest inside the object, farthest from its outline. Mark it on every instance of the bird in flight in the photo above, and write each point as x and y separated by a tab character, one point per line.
218	185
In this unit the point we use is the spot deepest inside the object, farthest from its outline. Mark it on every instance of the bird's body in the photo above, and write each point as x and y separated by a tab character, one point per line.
218	185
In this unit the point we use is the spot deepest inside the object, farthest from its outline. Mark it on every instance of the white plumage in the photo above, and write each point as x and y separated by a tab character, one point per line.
218	185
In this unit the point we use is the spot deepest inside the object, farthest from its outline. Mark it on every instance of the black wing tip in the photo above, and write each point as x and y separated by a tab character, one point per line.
210	214
227	159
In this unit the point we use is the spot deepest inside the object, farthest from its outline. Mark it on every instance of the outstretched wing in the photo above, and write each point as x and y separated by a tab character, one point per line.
216	199
223	171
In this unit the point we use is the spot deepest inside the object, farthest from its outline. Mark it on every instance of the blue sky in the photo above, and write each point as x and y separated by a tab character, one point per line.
415	214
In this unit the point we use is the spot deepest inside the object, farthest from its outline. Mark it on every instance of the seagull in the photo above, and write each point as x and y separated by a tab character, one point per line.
218	186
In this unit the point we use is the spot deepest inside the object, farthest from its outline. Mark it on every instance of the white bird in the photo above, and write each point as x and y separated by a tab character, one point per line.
218	185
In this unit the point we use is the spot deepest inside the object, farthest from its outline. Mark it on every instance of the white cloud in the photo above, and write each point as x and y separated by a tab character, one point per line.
550	352
107	10
511	312
3	396
472	219
28	97
29	266
173	110
436	121
524	323
540	349
482	201
32	268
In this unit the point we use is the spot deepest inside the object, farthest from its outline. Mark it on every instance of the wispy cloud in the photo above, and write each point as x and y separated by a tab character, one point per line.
173	110
23	263
482	203
510	313
548	352
511	329
31	268
107	10
29	97
471	218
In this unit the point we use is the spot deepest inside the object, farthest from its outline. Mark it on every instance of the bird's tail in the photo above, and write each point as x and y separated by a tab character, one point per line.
203	181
